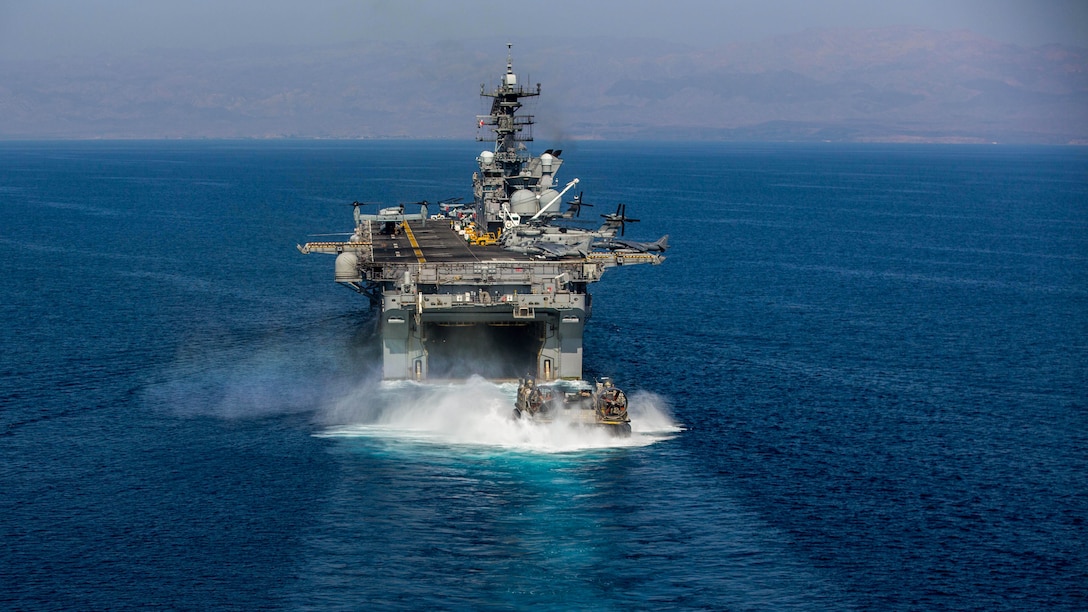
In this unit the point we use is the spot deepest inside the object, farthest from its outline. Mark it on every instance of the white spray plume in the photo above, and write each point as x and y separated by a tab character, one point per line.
478	412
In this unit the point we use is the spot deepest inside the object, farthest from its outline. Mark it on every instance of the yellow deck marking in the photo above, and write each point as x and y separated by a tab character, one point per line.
412	241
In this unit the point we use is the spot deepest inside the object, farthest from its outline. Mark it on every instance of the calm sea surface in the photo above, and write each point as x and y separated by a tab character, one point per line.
858	382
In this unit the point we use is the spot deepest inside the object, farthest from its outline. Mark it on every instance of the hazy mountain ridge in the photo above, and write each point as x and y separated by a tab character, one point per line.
892	84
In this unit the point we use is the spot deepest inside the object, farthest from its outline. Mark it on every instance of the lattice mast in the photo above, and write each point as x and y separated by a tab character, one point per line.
503	168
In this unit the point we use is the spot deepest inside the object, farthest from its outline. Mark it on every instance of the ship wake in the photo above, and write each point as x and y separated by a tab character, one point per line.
479	413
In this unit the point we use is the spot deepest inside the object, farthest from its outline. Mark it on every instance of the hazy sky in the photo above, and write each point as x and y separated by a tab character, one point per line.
42	28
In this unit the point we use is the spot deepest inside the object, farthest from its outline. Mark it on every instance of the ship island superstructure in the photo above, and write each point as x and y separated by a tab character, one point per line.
496	288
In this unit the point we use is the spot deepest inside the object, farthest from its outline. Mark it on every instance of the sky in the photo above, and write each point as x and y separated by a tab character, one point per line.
33	29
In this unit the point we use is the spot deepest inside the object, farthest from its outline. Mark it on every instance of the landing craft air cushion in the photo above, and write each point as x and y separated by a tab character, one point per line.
499	289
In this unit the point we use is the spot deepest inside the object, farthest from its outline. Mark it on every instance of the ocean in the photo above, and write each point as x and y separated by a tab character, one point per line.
857	383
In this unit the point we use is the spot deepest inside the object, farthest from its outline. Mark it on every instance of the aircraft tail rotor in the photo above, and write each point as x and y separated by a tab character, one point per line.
575	205
620	217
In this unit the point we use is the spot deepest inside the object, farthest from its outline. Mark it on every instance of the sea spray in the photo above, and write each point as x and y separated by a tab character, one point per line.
479	412
650	414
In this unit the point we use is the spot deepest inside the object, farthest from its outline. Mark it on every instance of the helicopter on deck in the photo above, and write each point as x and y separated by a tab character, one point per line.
390	217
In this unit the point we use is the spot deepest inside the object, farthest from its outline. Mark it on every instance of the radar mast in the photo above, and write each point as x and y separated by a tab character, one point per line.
508	167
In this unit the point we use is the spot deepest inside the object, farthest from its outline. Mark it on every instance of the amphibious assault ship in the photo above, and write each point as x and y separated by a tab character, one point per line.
496	288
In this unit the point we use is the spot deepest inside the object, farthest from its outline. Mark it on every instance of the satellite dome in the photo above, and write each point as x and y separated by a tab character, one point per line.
547	196
524	202
347	270
486	157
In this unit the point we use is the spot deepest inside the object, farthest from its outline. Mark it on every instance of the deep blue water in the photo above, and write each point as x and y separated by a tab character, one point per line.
861	376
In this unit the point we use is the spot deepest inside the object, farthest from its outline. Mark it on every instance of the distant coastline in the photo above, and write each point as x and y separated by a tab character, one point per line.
890	140
841	85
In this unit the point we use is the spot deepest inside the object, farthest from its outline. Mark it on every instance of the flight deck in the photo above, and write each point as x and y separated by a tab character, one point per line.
433	241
